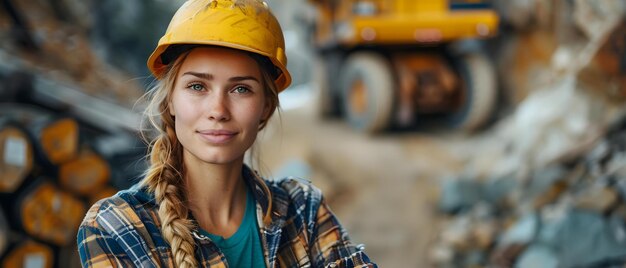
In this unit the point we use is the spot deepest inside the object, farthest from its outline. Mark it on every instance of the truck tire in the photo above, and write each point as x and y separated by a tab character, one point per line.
321	85
325	66
367	85
479	92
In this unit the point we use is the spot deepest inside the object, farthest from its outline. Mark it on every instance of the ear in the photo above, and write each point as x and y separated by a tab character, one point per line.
266	112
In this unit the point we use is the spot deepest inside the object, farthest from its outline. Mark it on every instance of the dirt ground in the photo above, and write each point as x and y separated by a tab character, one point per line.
383	189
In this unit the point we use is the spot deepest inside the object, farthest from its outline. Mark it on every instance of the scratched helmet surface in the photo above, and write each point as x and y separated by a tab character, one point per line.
247	25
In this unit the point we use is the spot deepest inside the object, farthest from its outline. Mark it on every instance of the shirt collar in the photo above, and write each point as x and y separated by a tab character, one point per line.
254	180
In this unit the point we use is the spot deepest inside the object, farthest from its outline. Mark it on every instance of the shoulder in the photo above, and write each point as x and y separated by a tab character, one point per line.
296	189
120	209
121	230
296	198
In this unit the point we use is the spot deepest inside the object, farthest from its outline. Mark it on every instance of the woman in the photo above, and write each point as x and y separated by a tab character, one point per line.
220	66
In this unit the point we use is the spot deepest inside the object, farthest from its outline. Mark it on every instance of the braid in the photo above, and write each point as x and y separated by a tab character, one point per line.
164	177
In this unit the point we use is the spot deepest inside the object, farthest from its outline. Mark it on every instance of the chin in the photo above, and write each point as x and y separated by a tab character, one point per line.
217	160
217	157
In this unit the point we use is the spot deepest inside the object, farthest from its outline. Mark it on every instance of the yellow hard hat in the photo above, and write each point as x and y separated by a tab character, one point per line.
240	24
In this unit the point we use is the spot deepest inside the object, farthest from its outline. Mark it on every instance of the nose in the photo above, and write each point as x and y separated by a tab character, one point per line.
218	108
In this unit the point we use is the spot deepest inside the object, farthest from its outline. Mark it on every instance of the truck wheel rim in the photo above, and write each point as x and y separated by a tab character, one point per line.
358	97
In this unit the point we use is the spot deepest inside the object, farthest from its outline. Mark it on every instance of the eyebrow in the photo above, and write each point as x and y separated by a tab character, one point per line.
200	75
232	79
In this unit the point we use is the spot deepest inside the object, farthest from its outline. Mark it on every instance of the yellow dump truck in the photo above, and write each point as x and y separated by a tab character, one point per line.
384	63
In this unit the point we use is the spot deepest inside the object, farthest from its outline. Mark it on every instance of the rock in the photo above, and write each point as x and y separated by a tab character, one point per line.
616	165
617	132
524	65
474	258
457	233
618	141
594	162
483	234
537	256
496	190
583	238
505	256
551	195
591	16
441	254
459	195
551	121
620	185
605	74
545	186
522	232
597	199
600	152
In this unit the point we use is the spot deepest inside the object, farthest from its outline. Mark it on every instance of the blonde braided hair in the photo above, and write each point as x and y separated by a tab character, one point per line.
165	175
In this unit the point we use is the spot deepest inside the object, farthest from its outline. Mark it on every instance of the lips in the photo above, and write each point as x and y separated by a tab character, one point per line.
217	136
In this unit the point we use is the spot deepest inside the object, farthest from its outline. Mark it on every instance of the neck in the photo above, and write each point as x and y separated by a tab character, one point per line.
216	194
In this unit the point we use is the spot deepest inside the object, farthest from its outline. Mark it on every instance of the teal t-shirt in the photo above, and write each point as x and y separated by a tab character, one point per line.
243	248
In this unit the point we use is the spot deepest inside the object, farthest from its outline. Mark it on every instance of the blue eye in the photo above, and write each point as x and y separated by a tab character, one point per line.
241	90
196	87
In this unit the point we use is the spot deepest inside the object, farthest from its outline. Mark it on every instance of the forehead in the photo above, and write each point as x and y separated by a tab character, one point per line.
218	60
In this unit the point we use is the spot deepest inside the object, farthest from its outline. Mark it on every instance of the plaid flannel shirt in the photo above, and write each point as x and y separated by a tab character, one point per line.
124	231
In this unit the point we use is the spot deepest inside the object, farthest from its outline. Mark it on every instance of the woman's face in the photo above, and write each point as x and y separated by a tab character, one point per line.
218	103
